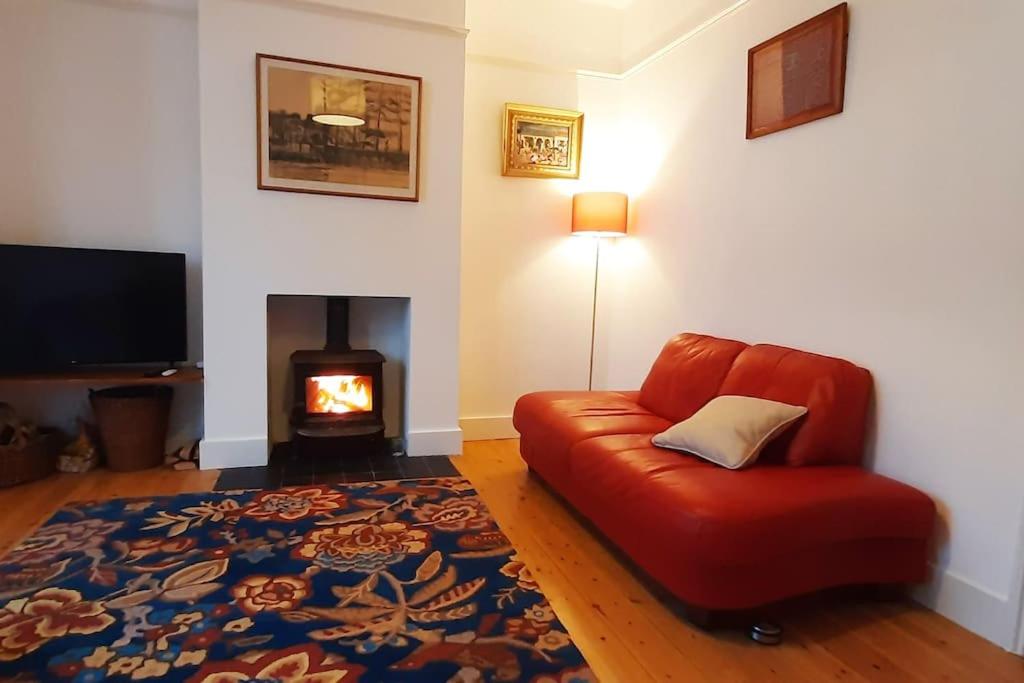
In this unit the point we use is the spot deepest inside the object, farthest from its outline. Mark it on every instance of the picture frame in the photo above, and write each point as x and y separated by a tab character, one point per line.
541	142
799	75
339	130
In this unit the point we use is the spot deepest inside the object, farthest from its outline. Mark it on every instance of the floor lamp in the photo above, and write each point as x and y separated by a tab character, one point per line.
597	215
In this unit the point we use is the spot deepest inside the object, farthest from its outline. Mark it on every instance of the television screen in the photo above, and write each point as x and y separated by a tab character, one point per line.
66	307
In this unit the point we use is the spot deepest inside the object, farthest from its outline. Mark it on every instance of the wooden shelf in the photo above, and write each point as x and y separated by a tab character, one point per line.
107	376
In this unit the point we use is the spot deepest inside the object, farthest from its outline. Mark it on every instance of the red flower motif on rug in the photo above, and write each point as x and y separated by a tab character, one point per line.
255	594
29	623
293	504
454	514
362	547
301	664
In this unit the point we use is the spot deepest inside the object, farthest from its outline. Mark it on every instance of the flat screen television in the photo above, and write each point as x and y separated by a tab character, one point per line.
63	308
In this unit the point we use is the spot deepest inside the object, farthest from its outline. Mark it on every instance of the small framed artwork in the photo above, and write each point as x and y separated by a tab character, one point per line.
332	129
799	75
541	142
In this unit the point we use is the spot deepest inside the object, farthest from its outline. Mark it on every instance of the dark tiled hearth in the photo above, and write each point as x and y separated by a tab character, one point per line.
286	470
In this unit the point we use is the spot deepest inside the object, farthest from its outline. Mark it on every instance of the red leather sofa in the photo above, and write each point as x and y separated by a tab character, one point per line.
804	518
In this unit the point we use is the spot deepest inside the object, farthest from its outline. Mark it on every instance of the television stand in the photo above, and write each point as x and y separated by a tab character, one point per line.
106	377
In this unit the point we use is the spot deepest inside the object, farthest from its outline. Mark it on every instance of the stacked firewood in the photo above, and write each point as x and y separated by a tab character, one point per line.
185	458
27	451
15	433
82	454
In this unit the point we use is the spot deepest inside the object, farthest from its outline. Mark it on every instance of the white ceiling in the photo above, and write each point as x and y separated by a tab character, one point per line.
617	4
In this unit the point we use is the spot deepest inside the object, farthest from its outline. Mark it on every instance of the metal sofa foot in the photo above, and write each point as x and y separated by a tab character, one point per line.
766	633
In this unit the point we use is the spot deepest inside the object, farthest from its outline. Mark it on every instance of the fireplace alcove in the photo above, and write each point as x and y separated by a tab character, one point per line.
336	370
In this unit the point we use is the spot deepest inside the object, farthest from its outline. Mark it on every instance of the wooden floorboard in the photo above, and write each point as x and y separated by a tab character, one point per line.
25	507
627	633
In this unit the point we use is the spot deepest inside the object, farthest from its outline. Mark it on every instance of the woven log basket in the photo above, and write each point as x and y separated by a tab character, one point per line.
34	460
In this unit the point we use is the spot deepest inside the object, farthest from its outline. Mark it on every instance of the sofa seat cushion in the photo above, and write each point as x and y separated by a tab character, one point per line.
559	419
649	499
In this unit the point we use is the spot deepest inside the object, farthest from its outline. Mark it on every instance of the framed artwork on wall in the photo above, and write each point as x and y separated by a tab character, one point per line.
799	75
541	142
331	129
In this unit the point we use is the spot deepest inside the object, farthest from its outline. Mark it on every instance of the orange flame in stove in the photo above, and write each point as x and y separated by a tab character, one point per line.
338	394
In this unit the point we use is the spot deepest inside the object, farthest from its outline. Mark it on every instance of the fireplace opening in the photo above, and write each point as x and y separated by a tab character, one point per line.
339	394
339	391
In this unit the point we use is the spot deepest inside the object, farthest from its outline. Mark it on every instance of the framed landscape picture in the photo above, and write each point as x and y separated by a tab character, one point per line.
331	129
799	75
541	142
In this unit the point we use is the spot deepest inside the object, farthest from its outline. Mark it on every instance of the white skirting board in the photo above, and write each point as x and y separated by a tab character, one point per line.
218	454
434	442
485	428
974	607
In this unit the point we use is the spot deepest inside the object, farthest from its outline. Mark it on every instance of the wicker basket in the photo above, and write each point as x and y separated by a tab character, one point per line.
36	460
133	425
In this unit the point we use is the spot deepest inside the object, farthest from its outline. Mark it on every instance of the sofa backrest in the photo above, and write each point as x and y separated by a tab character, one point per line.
693	368
687	374
836	393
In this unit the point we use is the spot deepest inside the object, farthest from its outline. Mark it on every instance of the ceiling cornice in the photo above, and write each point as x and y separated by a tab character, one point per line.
180	8
676	42
330	7
191	8
518	64
626	72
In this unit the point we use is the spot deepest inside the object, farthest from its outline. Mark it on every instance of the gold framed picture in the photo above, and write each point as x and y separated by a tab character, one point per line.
541	142
341	130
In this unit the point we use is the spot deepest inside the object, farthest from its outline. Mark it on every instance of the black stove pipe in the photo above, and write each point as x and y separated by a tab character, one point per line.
337	325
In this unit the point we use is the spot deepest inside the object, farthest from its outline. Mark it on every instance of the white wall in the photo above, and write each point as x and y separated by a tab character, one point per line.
889	235
257	243
527	284
100	136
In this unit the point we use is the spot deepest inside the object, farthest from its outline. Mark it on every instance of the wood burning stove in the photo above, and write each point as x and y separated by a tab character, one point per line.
339	392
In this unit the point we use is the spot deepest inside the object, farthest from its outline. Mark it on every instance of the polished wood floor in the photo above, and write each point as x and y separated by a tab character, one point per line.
629	636
25	507
626	633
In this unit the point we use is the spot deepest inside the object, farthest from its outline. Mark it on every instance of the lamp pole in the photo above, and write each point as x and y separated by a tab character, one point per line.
593	312
598	215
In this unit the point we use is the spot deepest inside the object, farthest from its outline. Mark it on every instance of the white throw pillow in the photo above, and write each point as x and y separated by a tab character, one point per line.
730	430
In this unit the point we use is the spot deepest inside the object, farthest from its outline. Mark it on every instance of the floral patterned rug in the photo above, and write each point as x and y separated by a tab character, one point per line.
381	581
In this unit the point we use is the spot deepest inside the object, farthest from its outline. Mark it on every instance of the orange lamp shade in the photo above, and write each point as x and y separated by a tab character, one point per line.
602	214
